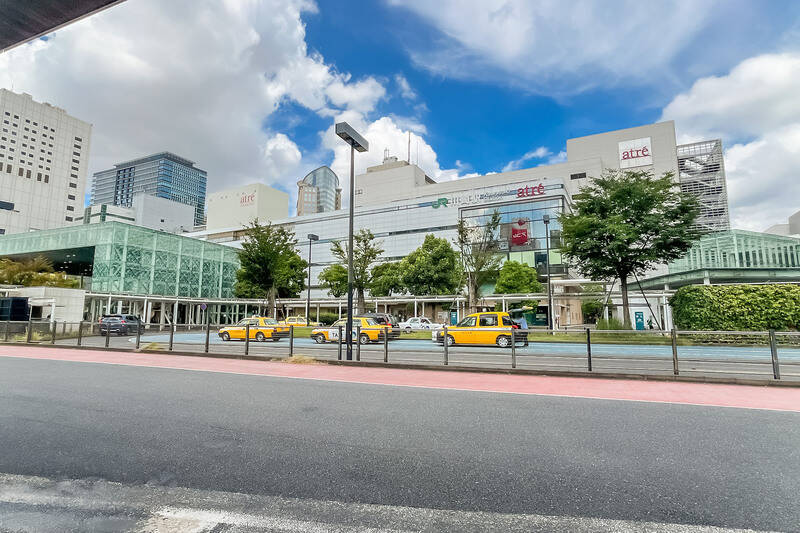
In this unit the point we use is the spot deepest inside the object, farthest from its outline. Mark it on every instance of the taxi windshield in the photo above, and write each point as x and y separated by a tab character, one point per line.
270	321
467	322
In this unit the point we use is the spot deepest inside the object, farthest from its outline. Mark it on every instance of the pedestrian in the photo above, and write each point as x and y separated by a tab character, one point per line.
523	325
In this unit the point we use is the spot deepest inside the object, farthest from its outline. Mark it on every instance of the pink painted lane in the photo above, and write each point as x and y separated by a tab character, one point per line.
741	396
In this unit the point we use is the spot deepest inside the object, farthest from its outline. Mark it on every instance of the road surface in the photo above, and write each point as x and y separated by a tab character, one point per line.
252	446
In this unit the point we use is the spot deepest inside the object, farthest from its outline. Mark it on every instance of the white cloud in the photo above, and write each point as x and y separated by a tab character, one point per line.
199	78
405	88
557	47
537	153
754	110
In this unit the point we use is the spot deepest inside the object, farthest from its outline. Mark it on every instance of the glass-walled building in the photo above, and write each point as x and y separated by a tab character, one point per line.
318	192
165	175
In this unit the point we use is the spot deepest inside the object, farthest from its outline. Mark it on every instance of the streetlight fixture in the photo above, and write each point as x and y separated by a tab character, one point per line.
546	220
311	238
356	142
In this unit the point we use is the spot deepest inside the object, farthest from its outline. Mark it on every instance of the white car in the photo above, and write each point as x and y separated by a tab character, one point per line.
418	323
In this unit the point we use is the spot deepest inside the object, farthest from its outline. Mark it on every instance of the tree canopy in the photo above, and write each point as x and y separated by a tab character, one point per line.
433	268
386	279
365	252
480	255
35	272
270	264
517	278
626	222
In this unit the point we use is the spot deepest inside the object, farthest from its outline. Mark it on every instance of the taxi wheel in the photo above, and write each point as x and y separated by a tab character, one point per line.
364	338
504	341
319	339
260	337
226	336
450	340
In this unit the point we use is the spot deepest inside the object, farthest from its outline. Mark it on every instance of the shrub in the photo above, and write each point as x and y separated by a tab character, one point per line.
328	318
737	307
610	324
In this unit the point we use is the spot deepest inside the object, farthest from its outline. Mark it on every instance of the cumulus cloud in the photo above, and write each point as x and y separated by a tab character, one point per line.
548	49
405	88
196	77
537	153
754	110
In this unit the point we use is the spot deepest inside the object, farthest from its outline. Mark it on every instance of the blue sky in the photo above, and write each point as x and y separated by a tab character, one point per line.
250	90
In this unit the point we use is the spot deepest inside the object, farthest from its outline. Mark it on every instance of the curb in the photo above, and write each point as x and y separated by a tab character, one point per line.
405	366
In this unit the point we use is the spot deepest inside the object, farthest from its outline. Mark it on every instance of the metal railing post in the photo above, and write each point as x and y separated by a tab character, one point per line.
386	345
208	329
358	343
171	335
5	333
773	347
674	352
53	332
138	334
80	332
513	349
247	339
291	340
29	336
589	348
444	343
108	335
339	356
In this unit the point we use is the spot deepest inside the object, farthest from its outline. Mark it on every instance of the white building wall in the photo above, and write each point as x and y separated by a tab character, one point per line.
52	150
240	205
162	214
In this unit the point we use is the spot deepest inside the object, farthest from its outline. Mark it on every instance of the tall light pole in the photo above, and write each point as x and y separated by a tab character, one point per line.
546	220
311	238
356	142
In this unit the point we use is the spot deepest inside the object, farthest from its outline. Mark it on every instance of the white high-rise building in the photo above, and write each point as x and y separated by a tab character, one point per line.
44	156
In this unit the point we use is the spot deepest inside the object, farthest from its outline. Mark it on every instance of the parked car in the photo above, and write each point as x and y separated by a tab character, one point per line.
298	321
120	324
417	323
261	329
385	319
371	331
482	328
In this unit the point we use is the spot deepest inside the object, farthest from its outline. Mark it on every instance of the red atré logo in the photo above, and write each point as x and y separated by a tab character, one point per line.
635	154
536	190
247	199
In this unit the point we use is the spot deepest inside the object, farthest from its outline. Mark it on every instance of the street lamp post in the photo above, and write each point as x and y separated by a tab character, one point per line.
311	238
546	220
356	142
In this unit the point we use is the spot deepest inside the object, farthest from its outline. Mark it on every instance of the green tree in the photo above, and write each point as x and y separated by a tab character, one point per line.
592	308
35	272
517	278
480	256
433	268
386	279
270	265
365	252
334	278
626	222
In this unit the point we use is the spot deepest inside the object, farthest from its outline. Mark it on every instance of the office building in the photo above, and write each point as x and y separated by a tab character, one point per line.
318	192
165	175
790	229
237	207
146	211
701	170
44	155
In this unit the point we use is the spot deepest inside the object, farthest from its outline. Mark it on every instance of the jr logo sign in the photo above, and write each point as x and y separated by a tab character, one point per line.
635	153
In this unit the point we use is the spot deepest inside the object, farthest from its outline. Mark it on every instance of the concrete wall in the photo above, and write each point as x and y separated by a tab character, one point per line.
237	207
162	214
69	303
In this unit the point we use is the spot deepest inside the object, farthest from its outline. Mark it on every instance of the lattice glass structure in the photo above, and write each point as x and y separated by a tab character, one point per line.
740	249
126	259
701	171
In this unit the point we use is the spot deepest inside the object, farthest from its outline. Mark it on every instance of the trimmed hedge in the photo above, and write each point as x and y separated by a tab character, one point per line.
737	307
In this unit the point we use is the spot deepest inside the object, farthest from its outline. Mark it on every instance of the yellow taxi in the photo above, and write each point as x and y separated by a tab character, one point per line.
370	331
298	321
482	328
261	329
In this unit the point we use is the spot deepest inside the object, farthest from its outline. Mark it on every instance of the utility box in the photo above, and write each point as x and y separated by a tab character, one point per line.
15	309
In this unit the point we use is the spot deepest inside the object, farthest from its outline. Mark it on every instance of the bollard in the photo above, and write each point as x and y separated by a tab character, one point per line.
513	349
247	339
108	335
674	352
339	356
386	345
64	328
589	348
358	343
773	347
444	343
53	332
208	329
5	333
171	335
80	332
30	330
138	333
291	340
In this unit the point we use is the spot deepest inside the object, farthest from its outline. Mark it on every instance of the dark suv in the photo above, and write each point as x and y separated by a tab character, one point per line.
120	324
385	319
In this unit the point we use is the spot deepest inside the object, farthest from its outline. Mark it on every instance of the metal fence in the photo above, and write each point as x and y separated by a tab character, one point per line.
758	355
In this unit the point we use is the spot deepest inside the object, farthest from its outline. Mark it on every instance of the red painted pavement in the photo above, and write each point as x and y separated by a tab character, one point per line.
750	397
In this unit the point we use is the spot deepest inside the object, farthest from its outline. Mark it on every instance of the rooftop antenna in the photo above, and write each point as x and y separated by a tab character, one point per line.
409	146
385	154
417	152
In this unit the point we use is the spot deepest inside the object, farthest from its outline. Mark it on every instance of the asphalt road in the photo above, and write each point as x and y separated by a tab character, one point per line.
591	464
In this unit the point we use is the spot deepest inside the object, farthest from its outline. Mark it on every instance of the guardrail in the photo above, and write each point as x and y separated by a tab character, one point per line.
771	355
